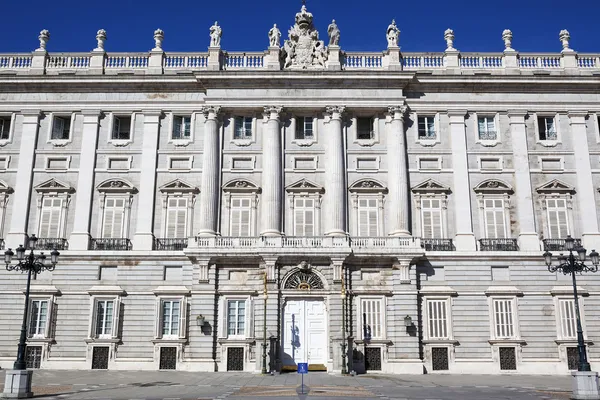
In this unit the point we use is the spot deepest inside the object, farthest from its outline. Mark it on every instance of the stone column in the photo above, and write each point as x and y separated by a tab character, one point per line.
464	239
585	187
23	183
528	237
399	204
144	233
335	174
209	192
272	174
80	237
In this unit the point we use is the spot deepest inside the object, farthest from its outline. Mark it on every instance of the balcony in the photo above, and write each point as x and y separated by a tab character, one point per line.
498	245
110	244
48	244
1	244
558	244
170	244
437	244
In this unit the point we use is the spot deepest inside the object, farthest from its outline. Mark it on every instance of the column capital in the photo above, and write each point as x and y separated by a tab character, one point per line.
210	112
152	113
398	111
335	112
517	116
455	114
31	112
577	116
87	112
272	112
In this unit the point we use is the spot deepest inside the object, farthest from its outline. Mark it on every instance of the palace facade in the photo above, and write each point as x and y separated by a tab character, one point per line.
362	211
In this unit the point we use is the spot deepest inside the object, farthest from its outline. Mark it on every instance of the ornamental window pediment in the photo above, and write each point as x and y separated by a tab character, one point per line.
241	186
116	185
431	186
53	186
178	186
304	278
305	186
493	186
367	186
555	186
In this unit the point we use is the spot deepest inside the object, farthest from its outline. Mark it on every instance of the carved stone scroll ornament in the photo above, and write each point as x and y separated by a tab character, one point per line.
303	49
210	111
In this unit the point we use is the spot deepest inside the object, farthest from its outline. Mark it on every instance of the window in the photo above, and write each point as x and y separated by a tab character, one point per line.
486	127
558	226
50	217
431	218
503	318
304	217
568	324
114	212
240	217
171	314
304	128
177	217
104	319
121	129
547	128
61	128
236	317
495	225
368	217
38	318
426	127
364	128
243	128
373	315
182	127
5	128
437	319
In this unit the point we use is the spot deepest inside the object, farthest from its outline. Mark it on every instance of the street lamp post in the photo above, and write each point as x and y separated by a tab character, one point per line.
31	264
585	384
343	345
264	345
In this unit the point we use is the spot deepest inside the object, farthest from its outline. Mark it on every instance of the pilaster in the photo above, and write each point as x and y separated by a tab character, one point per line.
80	237
144	236
397	173
528	237
209	192
272	175
335	177
24	178
464	239
586	196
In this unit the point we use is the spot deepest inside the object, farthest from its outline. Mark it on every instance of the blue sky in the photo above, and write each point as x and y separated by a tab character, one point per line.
130	24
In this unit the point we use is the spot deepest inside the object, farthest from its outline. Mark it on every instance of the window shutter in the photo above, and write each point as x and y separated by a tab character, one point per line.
299	222
363	222
568	320
92	324
159	318
249	328
115	317
33	316
183	318
299	127
238	128
49	318
187	127
309	222
116	127
224	312
58	127
50	218
245	218
177	122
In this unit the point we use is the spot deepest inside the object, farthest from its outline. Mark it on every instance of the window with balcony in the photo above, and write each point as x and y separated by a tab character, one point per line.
368	217
240	201
558	221
367	199
494	218
113	218
547	130
243	128
304	216
493	198
177	218
486	128
115	198
304	128
431	203
426	128
240	217
52	207
431	218
182	127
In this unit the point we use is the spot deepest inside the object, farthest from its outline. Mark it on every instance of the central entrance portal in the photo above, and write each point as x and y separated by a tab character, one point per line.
304	333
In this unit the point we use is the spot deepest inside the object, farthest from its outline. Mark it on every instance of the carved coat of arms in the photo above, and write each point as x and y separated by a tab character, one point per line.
303	49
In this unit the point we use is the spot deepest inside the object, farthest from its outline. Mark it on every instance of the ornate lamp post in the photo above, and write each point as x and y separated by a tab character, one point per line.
344	355
572	264
264	345
31	264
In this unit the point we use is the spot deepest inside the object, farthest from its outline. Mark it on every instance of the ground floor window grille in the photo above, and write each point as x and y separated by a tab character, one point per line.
33	357
508	358
168	358
235	359
373	358
100	357
439	358
572	358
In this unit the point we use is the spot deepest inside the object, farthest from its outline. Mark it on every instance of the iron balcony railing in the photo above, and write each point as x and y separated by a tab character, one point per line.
1	244
503	244
48	244
170	243
110	244
437	244
558	244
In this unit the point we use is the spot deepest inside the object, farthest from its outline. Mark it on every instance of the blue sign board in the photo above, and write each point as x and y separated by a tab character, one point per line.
303	368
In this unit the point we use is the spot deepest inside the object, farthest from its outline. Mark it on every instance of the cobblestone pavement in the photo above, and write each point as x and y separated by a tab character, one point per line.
179	385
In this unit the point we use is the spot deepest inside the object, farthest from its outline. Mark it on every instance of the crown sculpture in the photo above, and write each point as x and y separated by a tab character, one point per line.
303	49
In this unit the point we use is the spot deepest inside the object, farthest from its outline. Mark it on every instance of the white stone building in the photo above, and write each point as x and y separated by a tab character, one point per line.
353	189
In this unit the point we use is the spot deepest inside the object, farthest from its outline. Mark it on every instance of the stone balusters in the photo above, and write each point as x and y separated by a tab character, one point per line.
335	177
272	174
209	192
397	173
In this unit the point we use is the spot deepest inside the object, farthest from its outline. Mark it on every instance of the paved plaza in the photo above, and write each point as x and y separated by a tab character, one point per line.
126	385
